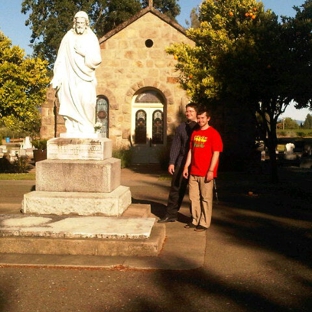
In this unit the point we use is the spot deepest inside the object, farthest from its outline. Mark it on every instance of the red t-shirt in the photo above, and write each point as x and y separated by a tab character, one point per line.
203	143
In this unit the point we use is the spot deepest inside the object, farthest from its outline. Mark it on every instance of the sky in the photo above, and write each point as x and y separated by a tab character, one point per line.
12	24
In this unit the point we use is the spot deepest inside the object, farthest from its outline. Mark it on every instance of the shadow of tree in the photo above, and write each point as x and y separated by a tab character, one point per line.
159	210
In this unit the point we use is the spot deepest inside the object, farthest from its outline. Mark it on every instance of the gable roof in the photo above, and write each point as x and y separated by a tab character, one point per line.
141	13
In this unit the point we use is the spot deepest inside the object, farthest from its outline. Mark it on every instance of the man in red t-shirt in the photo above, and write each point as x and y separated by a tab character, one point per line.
203	159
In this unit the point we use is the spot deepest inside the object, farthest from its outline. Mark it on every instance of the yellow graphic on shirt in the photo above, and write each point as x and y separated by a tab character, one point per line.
199	141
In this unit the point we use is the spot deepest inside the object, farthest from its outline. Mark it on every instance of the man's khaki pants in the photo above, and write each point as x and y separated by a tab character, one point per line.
201	198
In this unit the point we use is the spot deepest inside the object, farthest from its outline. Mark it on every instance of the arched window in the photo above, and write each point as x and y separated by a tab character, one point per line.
102	114
149	96
140	127
158	127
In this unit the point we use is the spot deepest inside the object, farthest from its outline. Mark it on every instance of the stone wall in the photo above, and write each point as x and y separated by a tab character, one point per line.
51	123
128	66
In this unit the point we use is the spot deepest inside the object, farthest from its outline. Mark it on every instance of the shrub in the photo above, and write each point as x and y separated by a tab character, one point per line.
20	165
124	154
40	144
300	134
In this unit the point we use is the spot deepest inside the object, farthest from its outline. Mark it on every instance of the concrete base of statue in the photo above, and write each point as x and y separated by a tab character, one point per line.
79	149
87	135
111	204
97	176
79	176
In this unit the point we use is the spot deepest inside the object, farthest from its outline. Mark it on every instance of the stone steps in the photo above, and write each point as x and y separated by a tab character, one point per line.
135	233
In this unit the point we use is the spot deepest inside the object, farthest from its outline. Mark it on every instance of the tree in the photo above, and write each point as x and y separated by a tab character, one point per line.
308	122
289	123
49	20
243	55
194	18
168	7
23	83
299	32
110	14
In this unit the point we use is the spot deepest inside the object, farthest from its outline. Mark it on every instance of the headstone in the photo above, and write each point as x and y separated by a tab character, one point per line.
26	143
289	153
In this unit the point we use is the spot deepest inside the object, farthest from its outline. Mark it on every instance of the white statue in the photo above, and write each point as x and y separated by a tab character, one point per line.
74	77
26	143
290	148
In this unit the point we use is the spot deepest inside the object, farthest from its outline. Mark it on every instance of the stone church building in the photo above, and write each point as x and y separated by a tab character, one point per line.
139	99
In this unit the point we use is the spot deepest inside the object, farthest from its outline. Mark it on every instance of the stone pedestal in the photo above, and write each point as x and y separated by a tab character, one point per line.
97	176
111	204
80	177
79	149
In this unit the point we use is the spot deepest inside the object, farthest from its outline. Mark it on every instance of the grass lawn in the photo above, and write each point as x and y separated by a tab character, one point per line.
18	176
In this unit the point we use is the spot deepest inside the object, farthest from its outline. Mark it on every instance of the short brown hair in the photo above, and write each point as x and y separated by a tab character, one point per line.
203	109
193	105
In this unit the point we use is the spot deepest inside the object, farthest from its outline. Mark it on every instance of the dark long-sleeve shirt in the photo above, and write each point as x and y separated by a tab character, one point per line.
180	143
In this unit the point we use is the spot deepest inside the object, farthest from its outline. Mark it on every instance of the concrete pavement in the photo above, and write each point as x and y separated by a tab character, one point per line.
162	247
257	255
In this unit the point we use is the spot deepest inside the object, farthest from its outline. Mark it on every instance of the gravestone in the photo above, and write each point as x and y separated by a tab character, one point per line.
289	152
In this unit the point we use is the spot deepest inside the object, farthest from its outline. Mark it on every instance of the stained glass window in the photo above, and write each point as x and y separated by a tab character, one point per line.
140	127
102	115
158	127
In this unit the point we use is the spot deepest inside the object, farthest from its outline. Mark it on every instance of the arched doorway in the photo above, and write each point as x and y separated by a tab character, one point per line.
147	126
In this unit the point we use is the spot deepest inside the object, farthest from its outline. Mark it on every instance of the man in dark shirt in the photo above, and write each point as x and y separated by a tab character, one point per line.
178	154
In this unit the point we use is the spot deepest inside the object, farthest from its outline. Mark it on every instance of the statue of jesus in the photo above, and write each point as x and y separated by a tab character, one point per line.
74	77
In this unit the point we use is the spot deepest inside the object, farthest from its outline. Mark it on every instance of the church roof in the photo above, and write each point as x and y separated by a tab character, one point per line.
148	9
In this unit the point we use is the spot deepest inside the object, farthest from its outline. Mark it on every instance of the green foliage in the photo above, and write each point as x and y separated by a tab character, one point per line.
167	7
18	176
40	144
282	133
20	165
5	132
194	18
106	15
300	134
49	20
23	82
308	122
293	133
244	54
299	30
124	154
223	33
289	123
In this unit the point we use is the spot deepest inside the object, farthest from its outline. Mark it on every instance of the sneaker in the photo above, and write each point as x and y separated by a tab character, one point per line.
190	226
200	228
167	219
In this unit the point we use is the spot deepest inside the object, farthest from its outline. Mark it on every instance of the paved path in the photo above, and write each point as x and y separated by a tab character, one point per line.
257	258
148	185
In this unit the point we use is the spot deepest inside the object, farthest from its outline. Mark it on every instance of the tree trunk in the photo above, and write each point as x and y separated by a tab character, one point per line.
272	142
